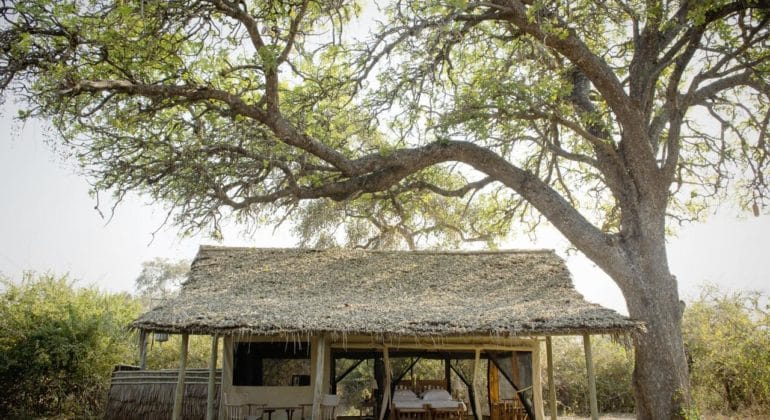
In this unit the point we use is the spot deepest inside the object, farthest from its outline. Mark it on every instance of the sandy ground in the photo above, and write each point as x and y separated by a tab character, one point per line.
608	416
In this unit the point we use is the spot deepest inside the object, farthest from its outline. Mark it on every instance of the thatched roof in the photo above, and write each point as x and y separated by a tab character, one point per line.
300	291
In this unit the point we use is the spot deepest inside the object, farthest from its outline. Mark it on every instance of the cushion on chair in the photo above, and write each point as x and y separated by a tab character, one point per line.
330	400
415	403
404	395
446	404
436	395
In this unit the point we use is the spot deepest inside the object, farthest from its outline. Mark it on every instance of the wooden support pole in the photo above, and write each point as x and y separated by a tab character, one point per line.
448	375
387	385
537	382
551	383
333	373
212	377
515	368
493	383
475	384
591	377
180	386
142	350
318	384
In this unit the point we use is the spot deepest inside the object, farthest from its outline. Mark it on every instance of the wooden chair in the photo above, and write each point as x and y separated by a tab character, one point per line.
508	410
329	405
241	411
422	385
411	414
232	411
457	413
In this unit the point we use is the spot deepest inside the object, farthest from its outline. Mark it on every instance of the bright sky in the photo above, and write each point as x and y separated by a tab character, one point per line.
48	223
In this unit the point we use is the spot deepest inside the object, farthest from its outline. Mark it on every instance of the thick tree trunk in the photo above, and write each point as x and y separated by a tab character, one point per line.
661	380
661	383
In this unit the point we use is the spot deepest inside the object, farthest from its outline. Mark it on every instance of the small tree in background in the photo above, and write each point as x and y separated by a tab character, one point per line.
161	279
58	345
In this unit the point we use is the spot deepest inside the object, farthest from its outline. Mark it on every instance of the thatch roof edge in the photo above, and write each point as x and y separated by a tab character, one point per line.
209	248
633	327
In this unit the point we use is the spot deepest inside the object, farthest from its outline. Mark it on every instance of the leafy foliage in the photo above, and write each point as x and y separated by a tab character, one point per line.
247	109
165	355
613	365
58	346
728	336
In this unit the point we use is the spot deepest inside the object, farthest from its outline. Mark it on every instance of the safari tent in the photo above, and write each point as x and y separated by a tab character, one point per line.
289	318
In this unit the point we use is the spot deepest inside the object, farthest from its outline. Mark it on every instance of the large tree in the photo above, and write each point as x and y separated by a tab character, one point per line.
447	122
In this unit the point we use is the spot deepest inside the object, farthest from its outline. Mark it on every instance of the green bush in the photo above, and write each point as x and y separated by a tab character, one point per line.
58	346
165	355
728	341
613	366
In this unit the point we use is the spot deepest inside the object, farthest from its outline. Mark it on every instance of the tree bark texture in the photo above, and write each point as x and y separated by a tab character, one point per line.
660	378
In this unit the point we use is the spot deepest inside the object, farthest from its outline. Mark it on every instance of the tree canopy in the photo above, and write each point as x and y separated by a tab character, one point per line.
421	123
232	108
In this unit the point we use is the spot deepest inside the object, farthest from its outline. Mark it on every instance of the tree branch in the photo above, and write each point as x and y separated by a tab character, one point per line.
571	47
279	126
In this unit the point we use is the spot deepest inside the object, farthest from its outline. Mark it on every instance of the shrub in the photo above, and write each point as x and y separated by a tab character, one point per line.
727	337
613	366
58	346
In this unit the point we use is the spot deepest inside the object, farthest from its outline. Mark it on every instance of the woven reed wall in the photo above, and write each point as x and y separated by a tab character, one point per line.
149	394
